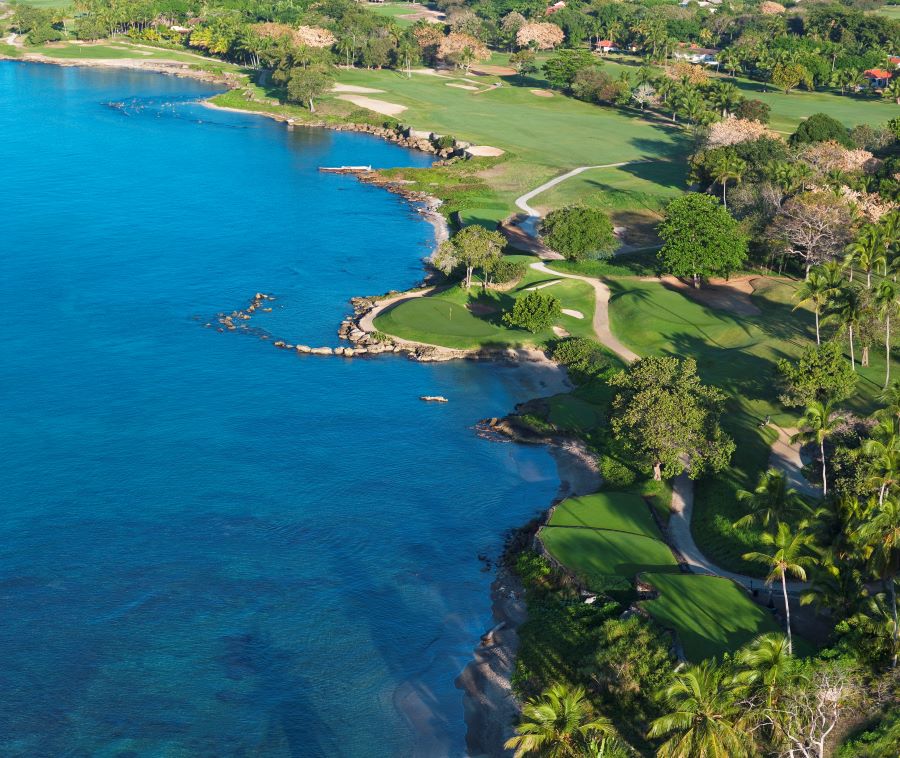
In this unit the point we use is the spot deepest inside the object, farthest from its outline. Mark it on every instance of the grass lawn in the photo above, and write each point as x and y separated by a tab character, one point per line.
891	11
124	50
620	511
737	353
394	11
447	319
712	615
11	50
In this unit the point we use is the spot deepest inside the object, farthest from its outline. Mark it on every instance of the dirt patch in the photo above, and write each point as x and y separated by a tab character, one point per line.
479	309
356	89
492	71
379	106
541	93
732	295
483	151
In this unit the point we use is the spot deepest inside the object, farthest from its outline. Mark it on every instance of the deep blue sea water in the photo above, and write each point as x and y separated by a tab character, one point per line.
209	546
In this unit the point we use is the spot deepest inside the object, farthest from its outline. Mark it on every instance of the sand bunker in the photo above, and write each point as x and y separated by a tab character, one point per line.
559	331
495	70
379	106
541	93
732	295
355	88
484	151
573	313
544	284
461	86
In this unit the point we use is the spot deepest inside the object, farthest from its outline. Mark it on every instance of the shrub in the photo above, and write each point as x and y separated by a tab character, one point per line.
508	270
445	141
579	232
820	127
616	474
562	67
584	358
533	311
753	110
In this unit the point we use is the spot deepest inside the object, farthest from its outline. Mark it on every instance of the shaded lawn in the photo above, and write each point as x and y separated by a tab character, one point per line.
447	320
738	354
711	615
623	511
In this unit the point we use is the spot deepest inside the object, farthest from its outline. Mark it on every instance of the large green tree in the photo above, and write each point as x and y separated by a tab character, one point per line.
579	232
701	239
666	416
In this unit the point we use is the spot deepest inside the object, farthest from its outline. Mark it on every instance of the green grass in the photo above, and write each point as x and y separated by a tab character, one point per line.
446	319
10	50
124	50
891	11
620	511
711	615
394	11
738	354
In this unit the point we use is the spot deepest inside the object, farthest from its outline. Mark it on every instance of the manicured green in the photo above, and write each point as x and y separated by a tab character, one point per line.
470	319
712	615
620	511
395	11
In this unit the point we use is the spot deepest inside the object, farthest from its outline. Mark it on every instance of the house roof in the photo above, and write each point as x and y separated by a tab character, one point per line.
605	43
877	73
894	59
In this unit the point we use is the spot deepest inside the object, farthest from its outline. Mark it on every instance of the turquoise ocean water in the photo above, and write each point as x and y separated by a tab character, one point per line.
209	546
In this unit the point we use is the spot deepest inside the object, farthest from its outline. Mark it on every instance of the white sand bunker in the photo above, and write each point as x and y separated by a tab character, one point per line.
379	106
461	86
355	88
559	331
541	93
573	313
543	284
484	151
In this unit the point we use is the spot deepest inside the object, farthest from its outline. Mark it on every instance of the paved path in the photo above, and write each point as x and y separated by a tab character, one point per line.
601	311
785	456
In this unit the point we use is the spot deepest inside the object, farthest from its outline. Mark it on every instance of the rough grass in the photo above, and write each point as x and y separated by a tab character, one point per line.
620	511
711	615
445	319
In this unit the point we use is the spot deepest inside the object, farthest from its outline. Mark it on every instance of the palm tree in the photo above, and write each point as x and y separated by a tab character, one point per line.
558	724
703	716
771	502
892	90
878	621
889	224
724	96
730	59
725	166
883	452
790	555
818	423
887	303
765	663
817	291
836	587
848	309
880	535
867	252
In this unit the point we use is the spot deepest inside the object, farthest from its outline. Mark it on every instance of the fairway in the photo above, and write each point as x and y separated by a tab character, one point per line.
608	510
712	615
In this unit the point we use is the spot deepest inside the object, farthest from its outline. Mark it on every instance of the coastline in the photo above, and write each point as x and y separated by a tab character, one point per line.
489	704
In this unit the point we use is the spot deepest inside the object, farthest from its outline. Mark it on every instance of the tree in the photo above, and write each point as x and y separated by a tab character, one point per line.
462	50
727	165
523	61
579	232
765	664
848	309
867	252
771	502
533	311
561	67
643	95
703	715
789	554
543	36
664	415
887	304
701	238
753	110
725	96
819	422
892	91
307	83
787	76
814	226
820	127
559	724
471	247
882	451
816	291
821	373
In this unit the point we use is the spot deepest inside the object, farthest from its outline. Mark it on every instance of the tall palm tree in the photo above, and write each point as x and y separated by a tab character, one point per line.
867	252
816	291
889	225
703	716
771	502
559	724
892	91
880	535
848	310
725	166
819	421
878	621
887	303
765	663
789	554
882	451
724	96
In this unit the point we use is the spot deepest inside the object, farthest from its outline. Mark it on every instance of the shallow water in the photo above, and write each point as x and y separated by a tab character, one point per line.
209	546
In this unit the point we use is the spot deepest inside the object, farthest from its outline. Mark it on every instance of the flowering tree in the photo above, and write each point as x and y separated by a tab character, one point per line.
462	50
813	226
543	36
733	131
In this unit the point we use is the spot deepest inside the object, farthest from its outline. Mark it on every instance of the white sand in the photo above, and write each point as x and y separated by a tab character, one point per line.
573	313
356	89
379	106
484	151
462	86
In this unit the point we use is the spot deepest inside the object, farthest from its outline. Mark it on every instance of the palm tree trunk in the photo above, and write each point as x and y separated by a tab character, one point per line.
852	356
869	278
865	356
818	338
787	613
896	627
824	479
887	351
724	201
